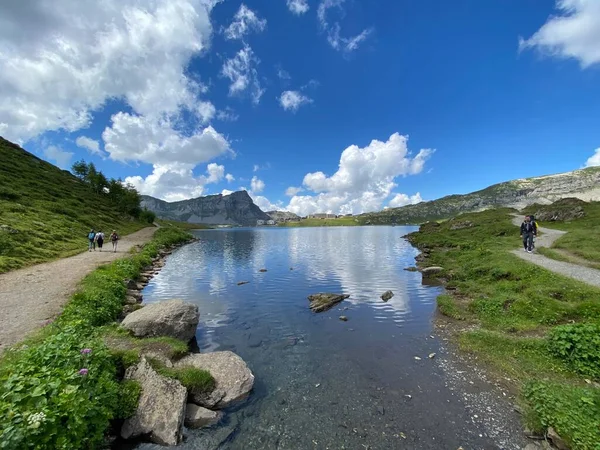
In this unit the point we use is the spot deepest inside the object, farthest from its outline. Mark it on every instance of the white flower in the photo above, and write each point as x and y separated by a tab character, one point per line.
36	419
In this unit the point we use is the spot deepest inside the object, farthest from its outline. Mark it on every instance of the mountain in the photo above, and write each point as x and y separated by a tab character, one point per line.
282	216
233	209
583	184
46	212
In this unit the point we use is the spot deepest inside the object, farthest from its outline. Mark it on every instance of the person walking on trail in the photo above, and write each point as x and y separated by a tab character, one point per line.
100	239
114	238
92	240
528	232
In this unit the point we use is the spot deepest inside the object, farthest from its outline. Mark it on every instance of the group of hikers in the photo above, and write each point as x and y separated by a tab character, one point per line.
97	239
529	229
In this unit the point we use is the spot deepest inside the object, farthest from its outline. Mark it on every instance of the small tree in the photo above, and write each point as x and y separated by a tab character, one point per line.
80	169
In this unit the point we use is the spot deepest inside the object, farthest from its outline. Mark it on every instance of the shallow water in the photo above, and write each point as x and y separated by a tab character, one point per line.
321	383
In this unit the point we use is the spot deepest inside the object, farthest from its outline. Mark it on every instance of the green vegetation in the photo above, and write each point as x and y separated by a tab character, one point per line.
339	222
60	388
192	378
183	225
46	213
533	326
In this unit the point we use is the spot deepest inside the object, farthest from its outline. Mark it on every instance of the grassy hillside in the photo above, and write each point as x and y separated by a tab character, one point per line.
537	331
45	212
341	222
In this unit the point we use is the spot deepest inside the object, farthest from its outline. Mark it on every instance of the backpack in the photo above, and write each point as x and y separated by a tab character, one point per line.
91	236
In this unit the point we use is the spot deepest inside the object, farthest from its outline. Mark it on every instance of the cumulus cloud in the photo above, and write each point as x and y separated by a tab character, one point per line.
230	178
58	155
292	190
593	160
90	145
244	21
403	200
257	185
364	179
61	61
226	192
292	100
241	72
573	33
298	7
264	203
333	30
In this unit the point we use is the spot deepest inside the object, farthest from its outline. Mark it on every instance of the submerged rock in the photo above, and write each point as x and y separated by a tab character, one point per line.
431	270
263	270
387	295
411	269
242	282
174	318
323	302
233	378
161	408
198	417
343	318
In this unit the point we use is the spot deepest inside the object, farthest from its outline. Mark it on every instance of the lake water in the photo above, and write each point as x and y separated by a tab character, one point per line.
321	383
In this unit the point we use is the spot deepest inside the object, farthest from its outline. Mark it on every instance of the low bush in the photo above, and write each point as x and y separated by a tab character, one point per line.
578	345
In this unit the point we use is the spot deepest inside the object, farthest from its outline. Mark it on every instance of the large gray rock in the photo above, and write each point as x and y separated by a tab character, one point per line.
431	270
557	441
173	318
233	378
199	417
323	302
161	408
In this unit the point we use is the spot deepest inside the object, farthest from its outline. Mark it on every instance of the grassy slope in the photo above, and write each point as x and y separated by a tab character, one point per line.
342	221
514	306
47	212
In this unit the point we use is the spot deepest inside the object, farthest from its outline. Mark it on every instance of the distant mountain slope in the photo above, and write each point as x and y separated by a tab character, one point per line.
583	184
46	212
234	209
282	215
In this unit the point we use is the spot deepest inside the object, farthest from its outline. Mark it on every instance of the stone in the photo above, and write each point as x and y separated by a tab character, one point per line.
431	270
199	417
557	441
131	284
242	282
323	302
411	269
461	225
343	318
233	378
387	295
130	300
161	408
135	294
173	318
263	270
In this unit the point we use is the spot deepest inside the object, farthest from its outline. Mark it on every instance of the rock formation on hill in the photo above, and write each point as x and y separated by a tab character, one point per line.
282	216
233	209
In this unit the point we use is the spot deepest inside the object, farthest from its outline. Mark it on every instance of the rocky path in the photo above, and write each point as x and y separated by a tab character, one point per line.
575	271
30	296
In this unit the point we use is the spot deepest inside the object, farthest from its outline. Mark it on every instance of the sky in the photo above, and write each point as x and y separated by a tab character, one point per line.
340	106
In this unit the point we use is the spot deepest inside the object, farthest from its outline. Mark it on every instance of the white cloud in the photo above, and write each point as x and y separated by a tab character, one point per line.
256	168
256	185
292	190
298	7
333	30
292	100
59	156
283	74
244	21
230	178
574	33
593	160
265	204
206	111
403	200
364	179
90	145
176	182
241	71
227	115
226	192
61	61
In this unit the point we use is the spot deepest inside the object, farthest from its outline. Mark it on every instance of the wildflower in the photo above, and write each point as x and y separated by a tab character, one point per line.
36	419
86	351
83	372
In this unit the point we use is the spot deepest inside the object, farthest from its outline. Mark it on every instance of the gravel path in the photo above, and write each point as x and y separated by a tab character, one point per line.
30	296
575	271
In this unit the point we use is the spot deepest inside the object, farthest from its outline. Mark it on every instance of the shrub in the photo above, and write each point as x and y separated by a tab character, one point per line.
147	216
578	346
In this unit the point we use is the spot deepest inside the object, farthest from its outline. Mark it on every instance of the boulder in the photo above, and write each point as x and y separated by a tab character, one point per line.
161	408
233	378
411	269
431	270
198	417
173	318
131	284
387	295
344	318
323	302
557	441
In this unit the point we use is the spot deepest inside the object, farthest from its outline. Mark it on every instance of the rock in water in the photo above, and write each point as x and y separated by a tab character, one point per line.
233	378
322	302
161	408
198	417
343	318
173	318
431	270
387	295
240	283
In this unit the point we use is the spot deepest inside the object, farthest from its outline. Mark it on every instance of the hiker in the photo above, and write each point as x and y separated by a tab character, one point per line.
114	238
528	231
100	239
91	239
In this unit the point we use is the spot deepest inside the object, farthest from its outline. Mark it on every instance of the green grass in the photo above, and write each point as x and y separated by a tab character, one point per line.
46	213
340	222
45	401
183	225
514	307
194	379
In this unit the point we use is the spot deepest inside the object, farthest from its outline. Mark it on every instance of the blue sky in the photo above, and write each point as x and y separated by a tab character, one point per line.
310	105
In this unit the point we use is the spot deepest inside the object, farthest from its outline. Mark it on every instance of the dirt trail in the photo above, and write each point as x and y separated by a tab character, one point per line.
30	296
575	271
